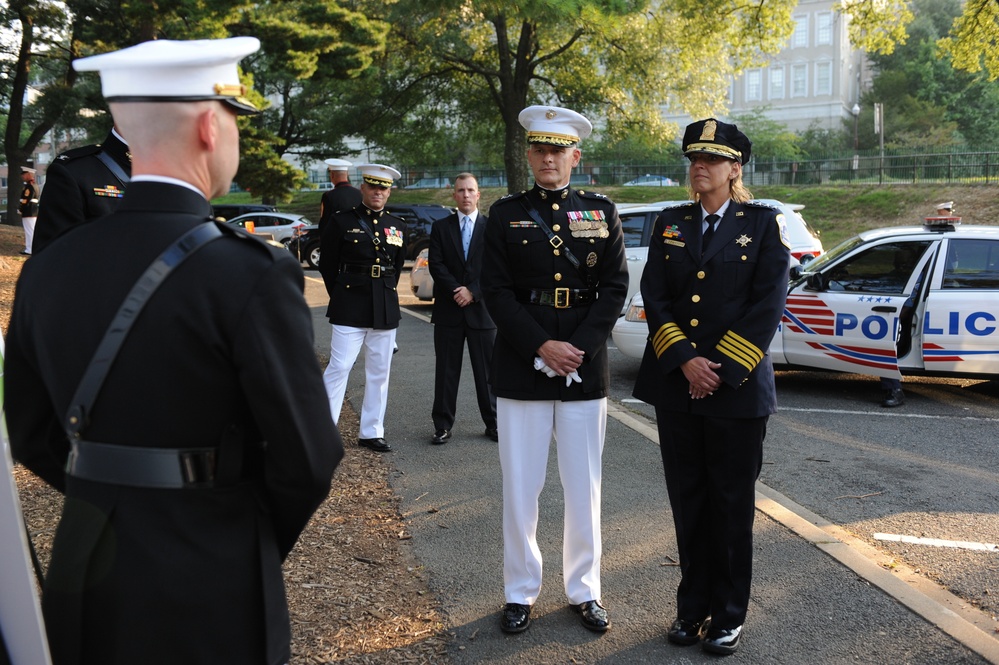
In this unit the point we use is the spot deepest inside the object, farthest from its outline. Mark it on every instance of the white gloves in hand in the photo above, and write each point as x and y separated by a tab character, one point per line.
540	365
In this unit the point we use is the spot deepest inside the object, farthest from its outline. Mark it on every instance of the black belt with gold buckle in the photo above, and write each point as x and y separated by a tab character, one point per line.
561	298
375	271
133	466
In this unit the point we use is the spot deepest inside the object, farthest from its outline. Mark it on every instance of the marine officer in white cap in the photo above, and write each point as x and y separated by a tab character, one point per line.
342	196
194	464
363	250
554	280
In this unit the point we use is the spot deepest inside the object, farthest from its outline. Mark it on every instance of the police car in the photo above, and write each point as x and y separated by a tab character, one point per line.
921	300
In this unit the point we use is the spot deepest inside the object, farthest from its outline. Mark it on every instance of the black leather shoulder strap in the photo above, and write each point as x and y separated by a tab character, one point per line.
93	378
113	167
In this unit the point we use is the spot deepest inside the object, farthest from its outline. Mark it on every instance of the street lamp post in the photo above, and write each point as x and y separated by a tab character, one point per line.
856	143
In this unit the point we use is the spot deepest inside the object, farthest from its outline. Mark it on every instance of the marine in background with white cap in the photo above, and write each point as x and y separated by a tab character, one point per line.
209	443
363	251
554	280
343	196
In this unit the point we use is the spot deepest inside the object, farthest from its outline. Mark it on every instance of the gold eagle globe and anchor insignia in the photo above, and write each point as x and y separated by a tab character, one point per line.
591	259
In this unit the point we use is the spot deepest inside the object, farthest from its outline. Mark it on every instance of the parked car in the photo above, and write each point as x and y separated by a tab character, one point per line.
283	226
420	279
648	180
430	183
305	245
919	300
419	217
577	179
227	211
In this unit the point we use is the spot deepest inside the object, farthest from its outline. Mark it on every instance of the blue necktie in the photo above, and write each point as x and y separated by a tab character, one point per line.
466	233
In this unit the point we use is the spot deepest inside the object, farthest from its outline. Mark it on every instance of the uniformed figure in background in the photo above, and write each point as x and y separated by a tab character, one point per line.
554	280
82	184
209	444
714	289
363	250
459	314
343	196
28	207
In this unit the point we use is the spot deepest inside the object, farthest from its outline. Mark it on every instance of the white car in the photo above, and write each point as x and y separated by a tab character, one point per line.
420	279
920	300
649	180
283	226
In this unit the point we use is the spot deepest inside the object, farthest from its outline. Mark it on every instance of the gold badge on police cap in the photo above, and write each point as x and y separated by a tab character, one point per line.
708	133
591	259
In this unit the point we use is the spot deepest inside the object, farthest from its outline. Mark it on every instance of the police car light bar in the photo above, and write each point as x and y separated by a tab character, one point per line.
941	223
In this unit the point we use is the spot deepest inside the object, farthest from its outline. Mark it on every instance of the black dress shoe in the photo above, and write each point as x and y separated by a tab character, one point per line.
378	445
685	633
893	398
594	616
723	641
516	618
441	436
492	433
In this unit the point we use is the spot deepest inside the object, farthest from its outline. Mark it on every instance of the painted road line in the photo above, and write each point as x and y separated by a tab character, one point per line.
936	542
889	414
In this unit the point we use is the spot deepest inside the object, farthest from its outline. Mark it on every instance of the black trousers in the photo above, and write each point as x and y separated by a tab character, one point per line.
711	467
449	347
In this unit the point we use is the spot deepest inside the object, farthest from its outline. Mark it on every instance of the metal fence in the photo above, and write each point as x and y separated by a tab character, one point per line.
891	167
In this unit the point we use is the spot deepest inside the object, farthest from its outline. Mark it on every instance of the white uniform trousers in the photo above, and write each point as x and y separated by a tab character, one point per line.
29	232
345	346
525	432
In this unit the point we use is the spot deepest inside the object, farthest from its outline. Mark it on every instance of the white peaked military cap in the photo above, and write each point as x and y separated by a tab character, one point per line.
338	165
554	125
378	174
945	207
165	70
28	169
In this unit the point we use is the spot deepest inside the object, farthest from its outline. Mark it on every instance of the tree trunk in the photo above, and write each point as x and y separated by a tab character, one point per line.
16	156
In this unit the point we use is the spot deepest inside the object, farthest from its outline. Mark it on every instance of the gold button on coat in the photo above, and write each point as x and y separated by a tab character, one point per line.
558	277
554	206
696	298
556	228
700	274
694	322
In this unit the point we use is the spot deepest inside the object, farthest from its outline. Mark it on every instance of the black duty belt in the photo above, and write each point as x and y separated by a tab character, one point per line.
159	468
375	270
557	298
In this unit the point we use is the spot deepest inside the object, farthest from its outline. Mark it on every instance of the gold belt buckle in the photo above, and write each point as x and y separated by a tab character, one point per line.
561	298
555	242
376	271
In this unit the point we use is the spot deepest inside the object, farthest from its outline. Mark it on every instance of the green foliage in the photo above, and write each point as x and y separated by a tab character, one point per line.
771	140
973	43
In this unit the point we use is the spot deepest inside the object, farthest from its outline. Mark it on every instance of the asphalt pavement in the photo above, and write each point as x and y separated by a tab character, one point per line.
819	596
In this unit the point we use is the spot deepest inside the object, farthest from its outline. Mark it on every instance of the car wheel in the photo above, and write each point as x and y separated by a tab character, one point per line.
312	255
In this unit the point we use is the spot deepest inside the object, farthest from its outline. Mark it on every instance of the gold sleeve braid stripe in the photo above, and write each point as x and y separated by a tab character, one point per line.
665	337
740	350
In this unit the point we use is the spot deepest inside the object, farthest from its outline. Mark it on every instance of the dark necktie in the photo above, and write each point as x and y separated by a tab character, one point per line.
708	232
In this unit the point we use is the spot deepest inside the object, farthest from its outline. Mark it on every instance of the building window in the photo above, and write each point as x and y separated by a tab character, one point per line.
799	80
823	78
799	39
754	85
823	28
777	83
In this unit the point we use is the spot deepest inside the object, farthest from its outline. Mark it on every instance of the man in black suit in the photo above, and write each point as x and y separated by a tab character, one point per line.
714	289
343	195
456	244
82	184
209	443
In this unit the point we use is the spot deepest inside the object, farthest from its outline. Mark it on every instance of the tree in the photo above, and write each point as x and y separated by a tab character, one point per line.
307	48
615	59
973	43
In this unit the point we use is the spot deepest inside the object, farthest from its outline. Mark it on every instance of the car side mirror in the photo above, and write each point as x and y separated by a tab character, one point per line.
816	282
794	272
